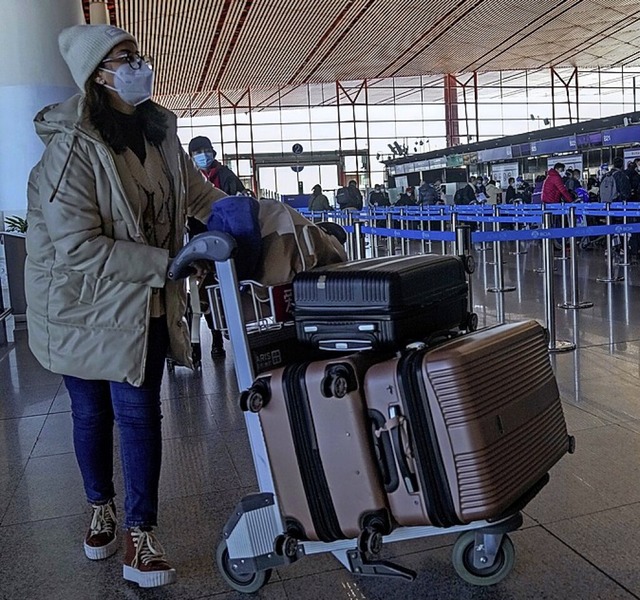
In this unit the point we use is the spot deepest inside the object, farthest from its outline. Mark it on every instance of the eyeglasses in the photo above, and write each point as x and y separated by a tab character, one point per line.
133	59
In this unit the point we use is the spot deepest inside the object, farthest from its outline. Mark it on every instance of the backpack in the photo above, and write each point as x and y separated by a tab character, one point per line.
458	197
608	188
342	196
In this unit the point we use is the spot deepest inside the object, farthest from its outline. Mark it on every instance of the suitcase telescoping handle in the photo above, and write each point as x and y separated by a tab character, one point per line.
215	246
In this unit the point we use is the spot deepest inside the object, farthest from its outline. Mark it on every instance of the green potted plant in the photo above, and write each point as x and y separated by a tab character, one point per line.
15	224
15	254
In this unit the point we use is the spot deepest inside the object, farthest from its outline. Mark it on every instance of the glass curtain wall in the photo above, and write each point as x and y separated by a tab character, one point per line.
365	122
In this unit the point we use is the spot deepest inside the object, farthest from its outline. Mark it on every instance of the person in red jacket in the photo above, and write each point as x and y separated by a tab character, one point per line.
553	190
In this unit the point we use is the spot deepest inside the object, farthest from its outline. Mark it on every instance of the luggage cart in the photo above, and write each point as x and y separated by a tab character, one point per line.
255	540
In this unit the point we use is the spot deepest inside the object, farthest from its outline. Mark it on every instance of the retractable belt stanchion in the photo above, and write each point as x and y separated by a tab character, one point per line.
462	248
351	248
575	302
454	228
498	268
625	240
423	242
429	215
517	227
610	278
549	292
442	228
357	234
563	241
390	246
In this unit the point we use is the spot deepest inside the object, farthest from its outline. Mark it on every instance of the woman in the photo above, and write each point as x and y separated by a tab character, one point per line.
107	208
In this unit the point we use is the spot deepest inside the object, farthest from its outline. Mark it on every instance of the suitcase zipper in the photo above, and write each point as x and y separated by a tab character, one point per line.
430	468
312	473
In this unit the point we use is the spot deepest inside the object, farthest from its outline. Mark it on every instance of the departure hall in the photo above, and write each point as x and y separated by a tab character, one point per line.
377	132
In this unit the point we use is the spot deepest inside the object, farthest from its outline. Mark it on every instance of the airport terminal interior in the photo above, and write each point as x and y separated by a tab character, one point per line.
578	540
380	92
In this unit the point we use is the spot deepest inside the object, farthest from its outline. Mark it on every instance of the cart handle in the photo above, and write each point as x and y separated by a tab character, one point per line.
216	246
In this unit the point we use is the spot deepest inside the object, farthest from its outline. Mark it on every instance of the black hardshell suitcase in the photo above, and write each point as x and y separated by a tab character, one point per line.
380	303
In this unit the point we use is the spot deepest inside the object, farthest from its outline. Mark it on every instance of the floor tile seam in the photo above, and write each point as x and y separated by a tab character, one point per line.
45	520
60	385
590	562
582	515
43	414
3	514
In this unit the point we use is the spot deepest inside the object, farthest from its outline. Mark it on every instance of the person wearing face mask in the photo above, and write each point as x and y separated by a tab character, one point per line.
203	154
107	206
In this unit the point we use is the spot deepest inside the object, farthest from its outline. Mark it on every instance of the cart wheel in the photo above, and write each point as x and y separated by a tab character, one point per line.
463	561
247	584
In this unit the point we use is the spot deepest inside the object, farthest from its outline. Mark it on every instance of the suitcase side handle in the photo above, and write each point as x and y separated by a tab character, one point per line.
401	447
383	451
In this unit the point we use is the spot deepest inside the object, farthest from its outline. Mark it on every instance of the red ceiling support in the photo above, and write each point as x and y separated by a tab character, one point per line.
452	122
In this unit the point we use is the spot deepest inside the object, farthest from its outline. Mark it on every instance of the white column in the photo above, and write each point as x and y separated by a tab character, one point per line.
32	75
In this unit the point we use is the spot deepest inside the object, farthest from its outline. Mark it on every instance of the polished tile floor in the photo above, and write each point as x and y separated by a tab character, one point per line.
580	539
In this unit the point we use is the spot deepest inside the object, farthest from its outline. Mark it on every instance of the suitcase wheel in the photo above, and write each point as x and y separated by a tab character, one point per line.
285	545
469	263
471	322
256	397
245	583
338	381
370	541
464	553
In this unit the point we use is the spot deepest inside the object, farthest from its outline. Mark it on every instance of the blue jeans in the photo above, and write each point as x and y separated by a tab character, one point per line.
94	406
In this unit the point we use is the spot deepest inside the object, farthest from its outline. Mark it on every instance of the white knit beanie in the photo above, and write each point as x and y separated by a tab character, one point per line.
83	48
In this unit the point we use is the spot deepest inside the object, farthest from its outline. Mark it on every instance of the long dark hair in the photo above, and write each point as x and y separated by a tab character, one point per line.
101	116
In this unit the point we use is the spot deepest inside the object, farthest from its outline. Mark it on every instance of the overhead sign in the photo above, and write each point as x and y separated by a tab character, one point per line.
554	146
492	154
297	148
621	136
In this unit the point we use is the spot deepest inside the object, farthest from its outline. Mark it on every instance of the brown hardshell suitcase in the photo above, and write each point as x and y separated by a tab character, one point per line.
321	448
475	424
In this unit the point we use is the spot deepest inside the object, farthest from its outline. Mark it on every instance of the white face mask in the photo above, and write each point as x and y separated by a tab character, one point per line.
134	86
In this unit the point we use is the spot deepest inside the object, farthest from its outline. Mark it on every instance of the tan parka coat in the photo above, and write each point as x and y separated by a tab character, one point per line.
90	272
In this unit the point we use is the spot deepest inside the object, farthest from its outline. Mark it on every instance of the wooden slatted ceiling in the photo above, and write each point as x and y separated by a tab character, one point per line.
275	46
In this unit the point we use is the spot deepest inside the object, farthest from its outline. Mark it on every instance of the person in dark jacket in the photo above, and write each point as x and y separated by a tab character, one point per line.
429	193
378	197
350	196
222	177
467	194
204	156
553	189
510	194
318	201
407	198
634	180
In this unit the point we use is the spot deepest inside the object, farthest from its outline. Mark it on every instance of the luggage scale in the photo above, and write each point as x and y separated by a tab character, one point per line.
254	538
